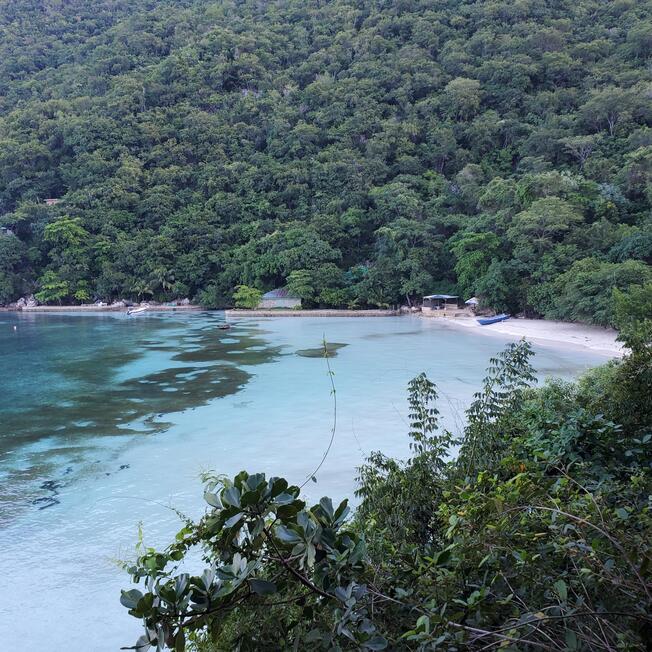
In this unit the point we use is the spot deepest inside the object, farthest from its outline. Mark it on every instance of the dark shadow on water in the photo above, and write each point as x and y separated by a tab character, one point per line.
120	381
329	350
380	336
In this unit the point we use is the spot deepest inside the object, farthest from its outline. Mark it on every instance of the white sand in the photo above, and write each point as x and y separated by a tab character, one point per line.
549	333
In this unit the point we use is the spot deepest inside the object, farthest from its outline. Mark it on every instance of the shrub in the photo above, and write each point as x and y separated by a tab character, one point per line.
536	536
247	297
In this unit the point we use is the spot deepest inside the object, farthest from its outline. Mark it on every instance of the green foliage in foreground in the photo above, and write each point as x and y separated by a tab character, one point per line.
537	536
364	152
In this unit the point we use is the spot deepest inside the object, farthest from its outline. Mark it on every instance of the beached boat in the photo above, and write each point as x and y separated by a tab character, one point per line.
485	321
136	311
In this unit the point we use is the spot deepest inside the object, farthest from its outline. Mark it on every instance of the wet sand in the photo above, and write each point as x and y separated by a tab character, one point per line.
550	333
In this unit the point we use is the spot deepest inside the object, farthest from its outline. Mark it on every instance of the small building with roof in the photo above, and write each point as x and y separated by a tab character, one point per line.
279	298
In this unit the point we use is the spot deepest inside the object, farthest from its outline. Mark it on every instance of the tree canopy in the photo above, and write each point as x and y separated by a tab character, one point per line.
403	147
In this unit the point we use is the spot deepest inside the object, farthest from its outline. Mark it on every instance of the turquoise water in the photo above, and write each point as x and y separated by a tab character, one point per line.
106	422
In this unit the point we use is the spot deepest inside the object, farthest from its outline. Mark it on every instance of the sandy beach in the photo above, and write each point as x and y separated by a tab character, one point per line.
550	333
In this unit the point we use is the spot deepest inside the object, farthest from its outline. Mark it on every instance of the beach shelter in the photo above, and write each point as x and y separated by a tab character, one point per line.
439	301
473	301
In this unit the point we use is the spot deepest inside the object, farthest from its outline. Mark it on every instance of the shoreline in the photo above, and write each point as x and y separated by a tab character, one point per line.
326	312
538	331
94	308
228	312
559	334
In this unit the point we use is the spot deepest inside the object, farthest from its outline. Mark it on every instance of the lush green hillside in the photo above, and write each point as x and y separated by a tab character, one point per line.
364	150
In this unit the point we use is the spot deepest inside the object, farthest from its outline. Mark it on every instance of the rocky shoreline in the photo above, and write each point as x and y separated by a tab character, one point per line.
29	304
109	308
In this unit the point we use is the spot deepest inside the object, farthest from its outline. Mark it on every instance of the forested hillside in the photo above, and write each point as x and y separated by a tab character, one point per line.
362	151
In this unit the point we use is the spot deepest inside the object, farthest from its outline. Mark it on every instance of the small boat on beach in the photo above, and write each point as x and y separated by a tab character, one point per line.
485	321
136	311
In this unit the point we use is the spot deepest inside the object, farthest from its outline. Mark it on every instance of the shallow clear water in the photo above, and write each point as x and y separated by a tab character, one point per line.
106	421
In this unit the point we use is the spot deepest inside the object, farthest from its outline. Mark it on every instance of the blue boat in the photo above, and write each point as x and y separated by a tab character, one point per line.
485	321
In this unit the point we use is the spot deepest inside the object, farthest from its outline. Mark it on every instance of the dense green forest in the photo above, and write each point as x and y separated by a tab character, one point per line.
537	536
365	152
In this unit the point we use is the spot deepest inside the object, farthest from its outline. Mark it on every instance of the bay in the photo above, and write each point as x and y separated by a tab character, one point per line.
107	422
